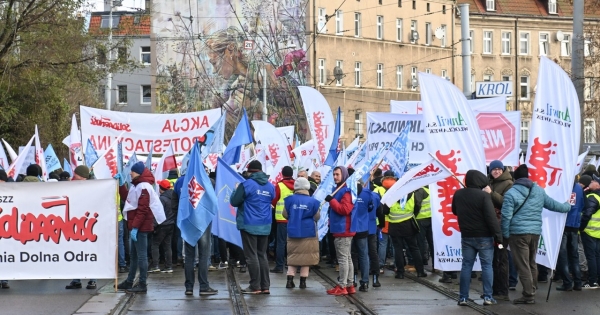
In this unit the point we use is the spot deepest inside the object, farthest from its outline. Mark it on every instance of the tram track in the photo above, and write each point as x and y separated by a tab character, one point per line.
237	298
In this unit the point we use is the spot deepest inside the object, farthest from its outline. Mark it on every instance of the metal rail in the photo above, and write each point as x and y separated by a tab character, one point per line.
237	299
362	307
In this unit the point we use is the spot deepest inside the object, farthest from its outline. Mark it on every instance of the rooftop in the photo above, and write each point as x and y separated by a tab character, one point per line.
538	8
124	23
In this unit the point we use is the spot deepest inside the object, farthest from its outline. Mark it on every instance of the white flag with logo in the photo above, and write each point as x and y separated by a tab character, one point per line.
320	120
554	139
17	164
450	128
274	145
417	177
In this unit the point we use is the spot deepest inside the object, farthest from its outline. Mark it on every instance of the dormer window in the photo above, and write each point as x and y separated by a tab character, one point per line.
552	7
490	5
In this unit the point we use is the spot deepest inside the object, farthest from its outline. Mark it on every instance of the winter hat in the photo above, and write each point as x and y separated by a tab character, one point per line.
287	171
585	180
496	164
522	172
82	171
164	184
389	173
590	168
3	176
138	168
255	166
32	170
344	171
301	184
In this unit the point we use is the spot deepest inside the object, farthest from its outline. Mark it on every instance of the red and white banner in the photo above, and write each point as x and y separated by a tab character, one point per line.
417	177
17	164
492	104
245	157
40	159
319	118
553	146
59	230
167	162
275	147
305	156
450	124
501	136
141	131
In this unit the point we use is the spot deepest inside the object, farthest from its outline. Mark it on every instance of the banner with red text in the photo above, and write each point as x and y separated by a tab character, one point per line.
140	131
274	144
455	140
553	150
62	230
417	177
319	118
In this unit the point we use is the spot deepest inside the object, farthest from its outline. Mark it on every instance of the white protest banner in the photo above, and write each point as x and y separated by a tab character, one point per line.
11	152
554	140
383	128
288	133
451	125
492	104
64	230
417	177
29	157
73	141
320	120
406	107
245	158
305	155
141	131
275	148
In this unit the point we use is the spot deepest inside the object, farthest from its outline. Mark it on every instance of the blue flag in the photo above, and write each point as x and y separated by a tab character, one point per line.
224	225
126	172
184	164
333	152
91	156
52	161
325	188
120	157
148	162
397	156
213	138
67	167
241	137
197	203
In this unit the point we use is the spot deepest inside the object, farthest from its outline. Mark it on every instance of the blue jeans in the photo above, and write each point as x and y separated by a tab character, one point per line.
382	250
360	248
3	281
513	275
281	245
121	246
568	258
138	255
204	253
471	246
591	246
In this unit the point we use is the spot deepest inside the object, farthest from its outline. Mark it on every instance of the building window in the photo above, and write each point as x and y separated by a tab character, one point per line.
105	22
339	64
145	55
551	6
399	77
428	7
565	46
443	44
524	131
414	4
524	87
101	56
589	130
587	49
588	90
339	22
399	3
358	123
322	77
507	78
524	44
122	94
488	78
413	32
380	75
544	44
146	94
413	78
322	21
490	5
471	39
443	9
427	34
428	70
487	42
357	74
357	24
506	43
399	30
122	54
379	27
445	74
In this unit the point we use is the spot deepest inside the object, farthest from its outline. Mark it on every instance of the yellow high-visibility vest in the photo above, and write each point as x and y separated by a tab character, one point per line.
284	193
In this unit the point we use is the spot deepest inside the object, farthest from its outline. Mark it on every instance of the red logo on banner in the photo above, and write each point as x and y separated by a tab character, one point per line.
196	191
538	159
107	123
498	135
446	192
321	134
428	169
273	148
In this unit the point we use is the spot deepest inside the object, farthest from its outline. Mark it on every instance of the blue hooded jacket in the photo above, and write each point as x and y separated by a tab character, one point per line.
574	215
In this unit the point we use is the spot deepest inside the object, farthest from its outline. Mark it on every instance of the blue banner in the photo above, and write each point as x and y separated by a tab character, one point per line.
52	161
67	167
91	156
224	224
325	188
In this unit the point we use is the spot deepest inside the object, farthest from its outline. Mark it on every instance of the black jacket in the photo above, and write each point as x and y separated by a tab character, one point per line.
165	199
474	208
313	186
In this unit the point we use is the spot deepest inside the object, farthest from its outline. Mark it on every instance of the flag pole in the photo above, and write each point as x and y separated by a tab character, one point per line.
333	193
117	139
447	169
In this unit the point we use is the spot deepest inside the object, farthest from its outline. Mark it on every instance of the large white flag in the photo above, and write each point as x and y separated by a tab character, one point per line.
3	159
17	164
553	147
581	160
450	128
13	155
75	147
275	148
40	158
320	120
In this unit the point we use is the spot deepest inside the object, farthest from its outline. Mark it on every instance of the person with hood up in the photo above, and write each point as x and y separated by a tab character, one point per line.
164	231
522	225
254	217
32	173
283	189
384	237
479	230
590	231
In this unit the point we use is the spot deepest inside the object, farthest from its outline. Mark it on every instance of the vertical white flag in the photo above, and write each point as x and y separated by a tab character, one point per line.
40	158
3	159
320	120
17	164
553	146
450	128
11	152
275	148
75	148
581	160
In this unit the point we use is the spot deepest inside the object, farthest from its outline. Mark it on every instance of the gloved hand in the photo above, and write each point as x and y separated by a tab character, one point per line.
328	198
134	234
120	179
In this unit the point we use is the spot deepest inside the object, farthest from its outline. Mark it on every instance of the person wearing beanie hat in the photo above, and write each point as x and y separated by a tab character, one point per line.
253	198
137	169
283	189
585	181
81	172
302	212
32	174
64	176
522	225
164	232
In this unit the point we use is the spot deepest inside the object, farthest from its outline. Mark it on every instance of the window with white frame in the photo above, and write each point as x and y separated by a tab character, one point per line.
380	27
588	90
146	94
443	41
357	73
444	74
322	21
399	30
487	42
523	43
471	39
145	55
507	78
358	123
413	77
565	46
524	84
551	6
379	75
524	130
428	70
413	29
589	130
122	94
506	36
357	21
339	64
587	49
488	78
490	5
399	77
339	22
322	77
427	34
544	44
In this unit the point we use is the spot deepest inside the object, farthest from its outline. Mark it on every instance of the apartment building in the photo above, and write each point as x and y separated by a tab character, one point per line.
367	53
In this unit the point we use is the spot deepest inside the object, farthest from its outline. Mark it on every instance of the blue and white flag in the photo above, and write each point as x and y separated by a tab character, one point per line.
241	136
52	161
333	149
91	156
184	164
67	167
120	158
224	224
213	138
397	156
148	163
126	172
359	157
325	188
197	203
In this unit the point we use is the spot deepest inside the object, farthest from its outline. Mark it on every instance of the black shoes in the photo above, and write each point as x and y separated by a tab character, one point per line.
4	285
422	274
209	291
275	270
399	275
376	283
125	285
364	287
243	269
91	285
73	285
290	282
445	279
139	289
302	282
189	292
123	270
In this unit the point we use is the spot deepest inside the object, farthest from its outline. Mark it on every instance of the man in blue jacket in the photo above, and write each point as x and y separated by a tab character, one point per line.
253	199
360	245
